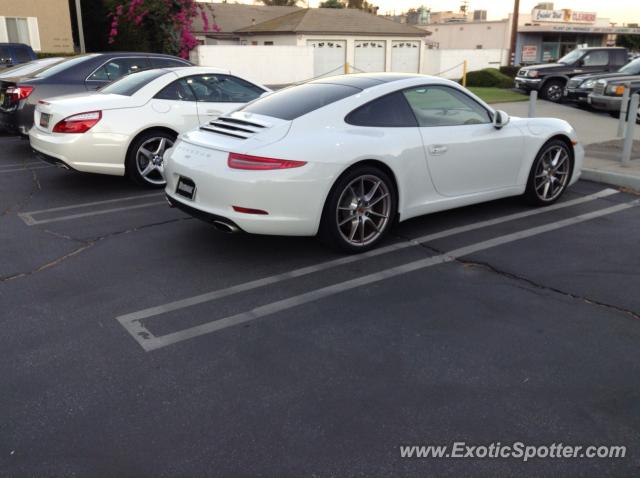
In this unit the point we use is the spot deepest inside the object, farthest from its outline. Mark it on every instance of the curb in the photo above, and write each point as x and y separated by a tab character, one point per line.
613	179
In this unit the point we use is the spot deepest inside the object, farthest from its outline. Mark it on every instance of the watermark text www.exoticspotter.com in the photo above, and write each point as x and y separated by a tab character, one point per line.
517	450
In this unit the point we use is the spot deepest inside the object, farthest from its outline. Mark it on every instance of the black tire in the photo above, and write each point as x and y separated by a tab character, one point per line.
373	210
544	171
155	143
552	90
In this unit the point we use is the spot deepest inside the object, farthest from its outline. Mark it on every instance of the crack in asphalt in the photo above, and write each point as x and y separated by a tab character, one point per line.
86	244
34	189
526	280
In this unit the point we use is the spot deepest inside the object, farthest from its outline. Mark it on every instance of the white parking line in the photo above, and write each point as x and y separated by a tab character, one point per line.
29	220
6	171
218	294
15	165
150	342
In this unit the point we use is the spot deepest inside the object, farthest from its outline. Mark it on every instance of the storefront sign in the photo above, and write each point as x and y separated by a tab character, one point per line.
529	53
563	16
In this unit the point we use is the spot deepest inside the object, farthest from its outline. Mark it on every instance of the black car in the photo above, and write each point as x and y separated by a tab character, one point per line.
580	87
551	79
15	53
79	74
607	93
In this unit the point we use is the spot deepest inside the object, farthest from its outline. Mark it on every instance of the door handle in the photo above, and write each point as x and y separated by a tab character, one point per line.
438	149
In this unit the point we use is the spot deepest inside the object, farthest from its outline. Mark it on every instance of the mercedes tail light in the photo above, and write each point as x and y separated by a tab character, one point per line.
257	163
78	123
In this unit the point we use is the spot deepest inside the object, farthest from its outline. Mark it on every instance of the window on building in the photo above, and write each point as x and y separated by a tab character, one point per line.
17	30
268	43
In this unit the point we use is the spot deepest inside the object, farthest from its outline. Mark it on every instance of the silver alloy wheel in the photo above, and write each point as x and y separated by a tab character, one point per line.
363	210
149	159
552	173
554	92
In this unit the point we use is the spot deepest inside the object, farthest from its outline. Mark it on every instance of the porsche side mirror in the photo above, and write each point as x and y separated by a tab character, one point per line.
500	119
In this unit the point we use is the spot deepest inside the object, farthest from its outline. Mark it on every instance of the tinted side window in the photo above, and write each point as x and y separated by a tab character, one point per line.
214	88
389	111
291	103
444	106
157	62
119	67
596	58
179	90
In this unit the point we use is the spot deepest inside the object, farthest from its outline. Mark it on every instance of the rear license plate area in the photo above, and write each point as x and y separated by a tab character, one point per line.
186	188
44	119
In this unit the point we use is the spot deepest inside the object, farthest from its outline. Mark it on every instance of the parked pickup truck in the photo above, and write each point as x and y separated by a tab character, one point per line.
580	87
550	79
607	94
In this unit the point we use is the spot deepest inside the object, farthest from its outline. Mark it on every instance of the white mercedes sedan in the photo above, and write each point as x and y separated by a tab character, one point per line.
125	128
345	157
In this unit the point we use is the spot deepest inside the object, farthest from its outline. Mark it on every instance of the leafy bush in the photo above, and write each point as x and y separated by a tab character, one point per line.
489	77
40	54
510	71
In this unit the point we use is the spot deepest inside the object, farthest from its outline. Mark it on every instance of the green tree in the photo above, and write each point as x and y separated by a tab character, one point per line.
281	3
632	42
332	4
362	5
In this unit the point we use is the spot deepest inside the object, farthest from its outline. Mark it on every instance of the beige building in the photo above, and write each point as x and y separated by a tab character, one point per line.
45	25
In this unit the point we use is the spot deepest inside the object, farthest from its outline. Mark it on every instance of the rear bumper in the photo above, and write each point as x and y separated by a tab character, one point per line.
293	199
90	152
605	103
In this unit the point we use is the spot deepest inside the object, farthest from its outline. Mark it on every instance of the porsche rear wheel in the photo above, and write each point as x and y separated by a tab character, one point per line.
359	211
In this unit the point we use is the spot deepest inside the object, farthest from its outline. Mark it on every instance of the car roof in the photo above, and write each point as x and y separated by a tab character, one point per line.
369	80
196	70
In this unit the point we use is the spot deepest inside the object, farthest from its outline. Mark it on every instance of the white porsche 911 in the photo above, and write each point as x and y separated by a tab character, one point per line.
345	157
126	126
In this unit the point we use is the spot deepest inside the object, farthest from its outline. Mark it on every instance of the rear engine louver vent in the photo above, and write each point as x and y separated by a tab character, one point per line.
233	127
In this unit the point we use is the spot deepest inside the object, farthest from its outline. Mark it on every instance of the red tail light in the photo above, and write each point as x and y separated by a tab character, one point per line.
80	123
256	163
17	93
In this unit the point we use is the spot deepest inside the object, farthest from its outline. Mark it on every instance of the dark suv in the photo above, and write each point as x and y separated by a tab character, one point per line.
580	87
19	95
551	79
15	53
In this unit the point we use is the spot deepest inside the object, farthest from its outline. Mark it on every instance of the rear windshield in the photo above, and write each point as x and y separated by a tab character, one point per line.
296	101
63	65
130	84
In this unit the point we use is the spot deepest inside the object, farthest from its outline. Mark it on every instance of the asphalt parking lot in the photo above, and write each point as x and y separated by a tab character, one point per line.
140	342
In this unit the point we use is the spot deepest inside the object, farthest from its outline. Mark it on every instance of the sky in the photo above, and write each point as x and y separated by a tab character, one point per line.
620	11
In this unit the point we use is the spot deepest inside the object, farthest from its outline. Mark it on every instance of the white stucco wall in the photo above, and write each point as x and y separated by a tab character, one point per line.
448	63
269	65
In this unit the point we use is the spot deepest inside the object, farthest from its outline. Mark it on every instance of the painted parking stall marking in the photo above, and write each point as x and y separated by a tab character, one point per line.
66	213
133	322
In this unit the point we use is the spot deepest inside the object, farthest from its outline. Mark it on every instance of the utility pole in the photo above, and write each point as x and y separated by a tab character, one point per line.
80	29
514	32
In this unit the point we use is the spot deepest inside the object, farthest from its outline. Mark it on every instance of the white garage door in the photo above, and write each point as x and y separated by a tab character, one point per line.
370	56
405	56
328	57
